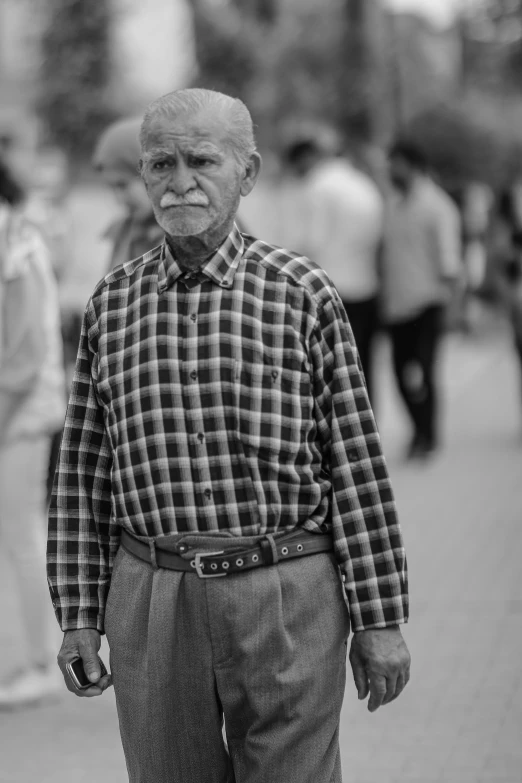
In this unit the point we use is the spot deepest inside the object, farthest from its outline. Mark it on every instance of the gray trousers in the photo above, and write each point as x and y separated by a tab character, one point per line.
264	650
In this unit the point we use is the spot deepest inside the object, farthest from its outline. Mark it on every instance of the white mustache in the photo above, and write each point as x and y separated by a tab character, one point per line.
194	198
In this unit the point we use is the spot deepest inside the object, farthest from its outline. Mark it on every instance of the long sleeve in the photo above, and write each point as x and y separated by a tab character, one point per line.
367	537
83	539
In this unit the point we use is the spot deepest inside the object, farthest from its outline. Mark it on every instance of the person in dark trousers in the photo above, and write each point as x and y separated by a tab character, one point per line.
341	230
220	471
420	265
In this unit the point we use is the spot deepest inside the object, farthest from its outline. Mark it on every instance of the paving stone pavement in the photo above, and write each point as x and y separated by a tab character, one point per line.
460	719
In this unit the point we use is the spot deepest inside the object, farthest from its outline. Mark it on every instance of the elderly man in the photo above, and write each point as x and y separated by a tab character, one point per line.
220	477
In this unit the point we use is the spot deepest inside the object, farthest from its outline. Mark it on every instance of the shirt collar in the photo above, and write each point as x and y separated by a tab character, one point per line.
220	267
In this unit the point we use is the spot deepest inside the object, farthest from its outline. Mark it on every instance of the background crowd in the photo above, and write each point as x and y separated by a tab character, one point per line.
393	158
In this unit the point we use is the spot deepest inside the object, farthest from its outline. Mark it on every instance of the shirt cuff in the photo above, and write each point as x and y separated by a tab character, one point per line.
389	608
74	619
377	626
94	622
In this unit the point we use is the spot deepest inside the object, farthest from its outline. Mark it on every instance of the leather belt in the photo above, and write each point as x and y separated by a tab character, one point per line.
268	551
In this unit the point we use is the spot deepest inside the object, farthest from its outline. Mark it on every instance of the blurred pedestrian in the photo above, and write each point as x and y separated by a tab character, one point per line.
46	206
116	158
420	268
43	203
476	203
340	228
32	406
218	426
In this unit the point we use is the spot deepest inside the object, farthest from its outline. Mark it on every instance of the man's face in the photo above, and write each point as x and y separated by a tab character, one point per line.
192	177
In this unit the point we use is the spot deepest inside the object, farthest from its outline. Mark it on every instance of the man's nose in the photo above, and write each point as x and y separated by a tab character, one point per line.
182	179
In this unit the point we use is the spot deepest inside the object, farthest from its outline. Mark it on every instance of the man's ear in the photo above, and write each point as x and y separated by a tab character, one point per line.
251	173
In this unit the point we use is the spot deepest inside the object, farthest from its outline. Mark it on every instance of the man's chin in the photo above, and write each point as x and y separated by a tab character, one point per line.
184	228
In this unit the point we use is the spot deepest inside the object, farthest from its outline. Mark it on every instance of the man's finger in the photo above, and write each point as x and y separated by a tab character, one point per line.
105	682
93	690
391	687
91	662
402	681
400	684
360	677
377	691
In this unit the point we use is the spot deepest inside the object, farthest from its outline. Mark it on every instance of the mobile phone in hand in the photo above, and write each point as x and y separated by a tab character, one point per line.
77	674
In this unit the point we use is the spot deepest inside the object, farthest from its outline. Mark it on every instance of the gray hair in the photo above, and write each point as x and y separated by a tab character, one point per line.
192	100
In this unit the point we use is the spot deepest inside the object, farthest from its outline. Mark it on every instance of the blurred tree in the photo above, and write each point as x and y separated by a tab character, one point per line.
466	142
262	10
295	60
492	45
75	73
425	65
499	21
225	29
355	71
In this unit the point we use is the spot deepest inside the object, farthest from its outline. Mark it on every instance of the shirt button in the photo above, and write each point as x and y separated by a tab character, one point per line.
201	437
193	375
193	317
274	374
208	493
353	456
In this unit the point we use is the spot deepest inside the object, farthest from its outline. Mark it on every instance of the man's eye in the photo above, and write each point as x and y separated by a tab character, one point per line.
159	165
200	163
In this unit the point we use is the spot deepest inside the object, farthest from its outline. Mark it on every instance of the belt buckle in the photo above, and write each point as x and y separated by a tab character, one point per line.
199	568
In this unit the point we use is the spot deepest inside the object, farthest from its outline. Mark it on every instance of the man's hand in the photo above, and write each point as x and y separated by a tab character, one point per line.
380	663
84	644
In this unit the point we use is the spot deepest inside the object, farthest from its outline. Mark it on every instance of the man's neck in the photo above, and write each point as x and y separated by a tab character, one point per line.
193	252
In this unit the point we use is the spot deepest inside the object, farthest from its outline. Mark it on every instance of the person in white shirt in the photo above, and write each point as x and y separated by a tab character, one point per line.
421	263
32	407
341	230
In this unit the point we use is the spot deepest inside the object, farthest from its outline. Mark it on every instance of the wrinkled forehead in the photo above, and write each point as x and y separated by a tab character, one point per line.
199	132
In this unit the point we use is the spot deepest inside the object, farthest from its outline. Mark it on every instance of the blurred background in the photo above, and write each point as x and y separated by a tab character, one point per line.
446	75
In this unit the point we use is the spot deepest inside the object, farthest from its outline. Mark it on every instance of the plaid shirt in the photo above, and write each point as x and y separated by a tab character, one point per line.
226	399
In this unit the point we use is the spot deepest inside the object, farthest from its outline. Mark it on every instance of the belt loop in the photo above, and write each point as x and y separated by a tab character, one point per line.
268	543
152	547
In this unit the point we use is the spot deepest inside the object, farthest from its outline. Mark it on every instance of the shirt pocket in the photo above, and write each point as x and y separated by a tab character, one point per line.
273	405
